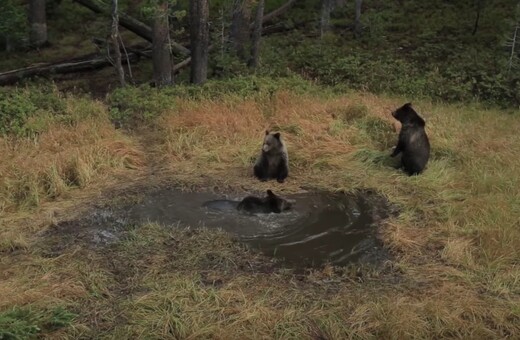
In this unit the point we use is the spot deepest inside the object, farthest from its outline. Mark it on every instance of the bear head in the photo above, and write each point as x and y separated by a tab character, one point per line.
272	142
407	115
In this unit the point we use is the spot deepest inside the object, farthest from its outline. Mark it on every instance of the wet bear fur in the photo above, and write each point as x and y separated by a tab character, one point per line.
273	161
269	204
413	142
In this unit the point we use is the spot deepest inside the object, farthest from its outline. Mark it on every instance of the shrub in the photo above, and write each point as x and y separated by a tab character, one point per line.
139	103
25	111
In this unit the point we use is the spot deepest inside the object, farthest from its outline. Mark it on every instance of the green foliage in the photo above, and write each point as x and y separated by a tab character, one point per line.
466	77
149	8
13	20
26	323
24	111
142	103
139	103
245	87
440	60
225	65
59	318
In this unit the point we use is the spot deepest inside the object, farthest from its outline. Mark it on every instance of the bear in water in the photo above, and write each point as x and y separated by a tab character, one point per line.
270	204
413	141
273	162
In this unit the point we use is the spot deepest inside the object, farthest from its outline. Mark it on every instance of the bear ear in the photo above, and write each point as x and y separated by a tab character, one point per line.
407	105
266	132
270	193
277	135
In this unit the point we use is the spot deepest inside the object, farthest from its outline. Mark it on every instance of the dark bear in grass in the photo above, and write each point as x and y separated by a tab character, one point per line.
413	141
270	204
273	161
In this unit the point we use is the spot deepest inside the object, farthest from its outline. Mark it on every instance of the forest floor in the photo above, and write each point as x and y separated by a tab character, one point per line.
454	269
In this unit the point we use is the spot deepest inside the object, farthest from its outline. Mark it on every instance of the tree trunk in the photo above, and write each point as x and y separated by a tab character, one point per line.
37	18
199	35
8	45
326	8
257	34
240	27
358	28
478	3
161	56
115	42
513	48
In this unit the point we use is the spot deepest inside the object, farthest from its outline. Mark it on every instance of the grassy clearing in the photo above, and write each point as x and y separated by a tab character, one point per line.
455	271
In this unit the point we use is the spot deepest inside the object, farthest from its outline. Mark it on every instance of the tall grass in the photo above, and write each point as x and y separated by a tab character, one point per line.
71	151
61	157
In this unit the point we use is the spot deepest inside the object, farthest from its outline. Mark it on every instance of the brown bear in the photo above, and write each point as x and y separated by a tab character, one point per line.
413	142
270	204
273	161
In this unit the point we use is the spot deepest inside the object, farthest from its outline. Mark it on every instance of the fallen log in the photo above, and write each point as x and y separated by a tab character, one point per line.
131	24
177	67
275	13
282	27
11	77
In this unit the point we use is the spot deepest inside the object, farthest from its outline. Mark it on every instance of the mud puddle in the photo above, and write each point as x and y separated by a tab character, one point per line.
321	227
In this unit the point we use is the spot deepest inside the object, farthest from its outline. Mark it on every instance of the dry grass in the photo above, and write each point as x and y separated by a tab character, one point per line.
455	272
60	160
224	137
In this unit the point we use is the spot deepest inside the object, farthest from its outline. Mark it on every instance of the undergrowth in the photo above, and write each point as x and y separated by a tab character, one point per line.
333	62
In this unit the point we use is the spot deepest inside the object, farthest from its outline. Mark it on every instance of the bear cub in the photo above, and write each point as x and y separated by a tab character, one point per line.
273	161
413	141
270	204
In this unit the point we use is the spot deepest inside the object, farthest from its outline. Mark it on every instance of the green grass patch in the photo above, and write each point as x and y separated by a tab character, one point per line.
30	323
380	132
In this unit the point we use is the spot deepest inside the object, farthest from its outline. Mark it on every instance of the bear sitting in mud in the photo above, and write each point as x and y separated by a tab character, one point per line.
270	204
413	142
273	161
